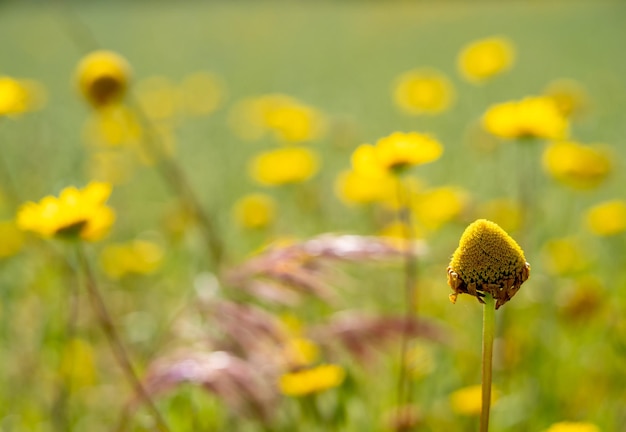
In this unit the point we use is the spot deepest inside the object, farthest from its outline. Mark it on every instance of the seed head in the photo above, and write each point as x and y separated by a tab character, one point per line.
487	260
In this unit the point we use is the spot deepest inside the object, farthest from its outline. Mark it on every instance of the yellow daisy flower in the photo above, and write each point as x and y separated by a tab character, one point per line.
283	166
399	151
103	77
486	58
313	380
468	400
577	165
255	211
607	218
423	91
137	257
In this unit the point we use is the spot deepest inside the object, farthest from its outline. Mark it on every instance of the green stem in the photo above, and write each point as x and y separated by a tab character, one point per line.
489	313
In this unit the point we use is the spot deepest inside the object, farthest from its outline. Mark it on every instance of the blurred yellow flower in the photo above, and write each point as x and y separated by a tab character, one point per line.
570	96
313	380
12	239
531	117
283	166
75	213
19	96
468	400
505	212
423	91
607	218
201	93
434	207
112	126
285	117
565	256
103	77
158	98
137	257
399	151
487	260
485	58
111	166
255	211
301	351
353	187
573	427
577	165
78	364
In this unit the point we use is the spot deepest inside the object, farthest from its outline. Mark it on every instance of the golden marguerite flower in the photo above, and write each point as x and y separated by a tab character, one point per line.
573	427
18	96
313	380
76	213
103	77
607	218
487	261
423	91
254	211
576	165
399	151
486	58
136	257
531	117
283	166
468	400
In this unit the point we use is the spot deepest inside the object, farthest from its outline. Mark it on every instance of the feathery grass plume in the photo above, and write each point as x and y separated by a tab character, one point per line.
103	78
423	91
489	261
485	58
76	213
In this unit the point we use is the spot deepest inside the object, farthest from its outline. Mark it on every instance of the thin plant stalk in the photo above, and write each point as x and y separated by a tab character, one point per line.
489	313
410	276
117	347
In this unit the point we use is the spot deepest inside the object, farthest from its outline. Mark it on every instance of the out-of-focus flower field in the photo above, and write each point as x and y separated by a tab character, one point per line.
238	216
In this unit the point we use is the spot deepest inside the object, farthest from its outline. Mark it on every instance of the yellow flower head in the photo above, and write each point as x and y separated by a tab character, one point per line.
314	380
468	400
103	77
283	166
489	261
577	165
570	96
255	211
353	187
434	207
423	91
607	218
573	427
399	151
137	257
485	58
19	96
531	117
75	213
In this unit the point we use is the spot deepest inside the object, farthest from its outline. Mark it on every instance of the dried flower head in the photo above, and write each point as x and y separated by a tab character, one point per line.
489	261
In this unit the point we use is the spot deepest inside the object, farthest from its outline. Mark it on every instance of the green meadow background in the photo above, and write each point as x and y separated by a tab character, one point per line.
341	57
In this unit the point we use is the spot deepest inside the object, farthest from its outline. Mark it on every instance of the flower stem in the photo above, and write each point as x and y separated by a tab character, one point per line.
489	313
119	352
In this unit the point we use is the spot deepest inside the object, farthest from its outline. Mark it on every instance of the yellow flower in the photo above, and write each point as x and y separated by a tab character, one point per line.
103	77
137	257
12	239
255	211
573	427
607	218
158	98
468	400
75	213
531	117
565	256
399	151
285	117
505	212
19	96
485	58
487	260
576	165
570	96
352	187
314	380
283	166
111	166
201	93
301	351
434	207
423	91
113	126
